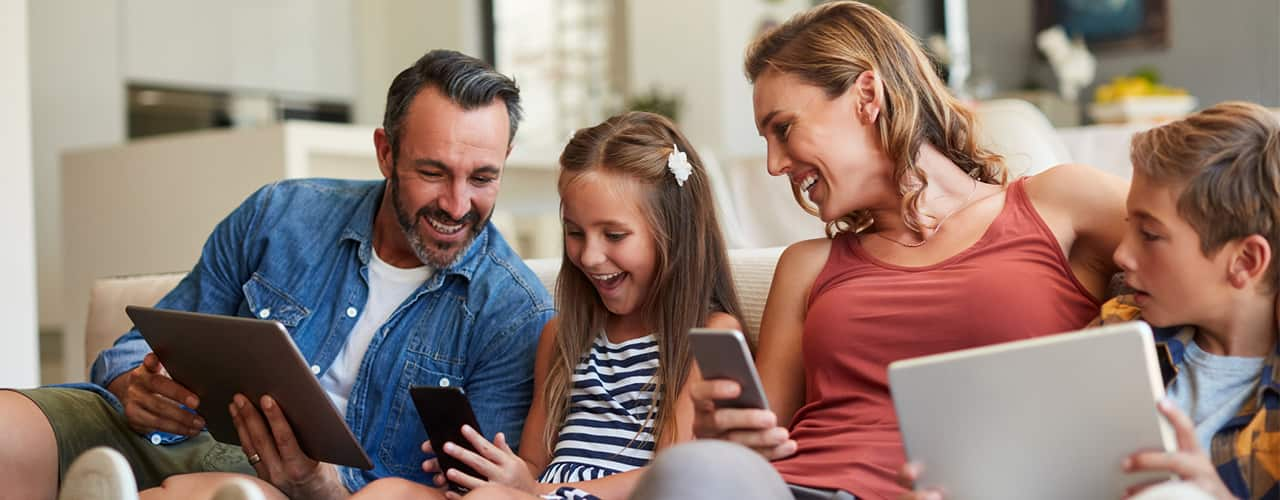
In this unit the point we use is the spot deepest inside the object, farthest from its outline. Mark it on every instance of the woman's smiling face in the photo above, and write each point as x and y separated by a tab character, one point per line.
829	148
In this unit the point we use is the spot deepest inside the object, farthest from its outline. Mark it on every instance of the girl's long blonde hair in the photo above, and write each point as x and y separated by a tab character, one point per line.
829	46
693	278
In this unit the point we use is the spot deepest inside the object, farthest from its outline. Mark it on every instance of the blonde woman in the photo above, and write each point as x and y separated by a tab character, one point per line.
932	248
644	262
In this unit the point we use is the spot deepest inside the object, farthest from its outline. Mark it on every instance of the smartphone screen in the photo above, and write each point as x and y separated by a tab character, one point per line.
723	354
444	410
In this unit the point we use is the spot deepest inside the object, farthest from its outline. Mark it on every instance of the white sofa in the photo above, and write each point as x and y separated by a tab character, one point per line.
752	272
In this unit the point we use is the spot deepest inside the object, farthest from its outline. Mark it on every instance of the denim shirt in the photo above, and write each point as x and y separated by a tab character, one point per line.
298	252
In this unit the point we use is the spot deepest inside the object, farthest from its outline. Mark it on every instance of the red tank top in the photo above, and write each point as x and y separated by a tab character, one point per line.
863	314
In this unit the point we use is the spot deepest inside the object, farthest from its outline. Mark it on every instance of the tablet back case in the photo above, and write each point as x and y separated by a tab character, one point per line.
219	356
1046	418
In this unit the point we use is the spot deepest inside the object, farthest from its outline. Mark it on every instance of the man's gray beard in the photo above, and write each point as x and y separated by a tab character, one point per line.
438	258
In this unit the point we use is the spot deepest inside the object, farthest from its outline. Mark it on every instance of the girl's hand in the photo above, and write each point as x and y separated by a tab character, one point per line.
1189	463
753	428
431	466
495	461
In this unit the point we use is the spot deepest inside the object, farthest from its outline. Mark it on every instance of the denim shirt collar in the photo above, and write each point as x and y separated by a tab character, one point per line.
360	230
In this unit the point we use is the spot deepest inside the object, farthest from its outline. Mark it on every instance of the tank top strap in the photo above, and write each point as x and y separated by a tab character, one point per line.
1021	216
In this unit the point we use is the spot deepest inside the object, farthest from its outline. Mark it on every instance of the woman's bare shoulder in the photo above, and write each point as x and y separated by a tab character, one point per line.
1074	187
801	262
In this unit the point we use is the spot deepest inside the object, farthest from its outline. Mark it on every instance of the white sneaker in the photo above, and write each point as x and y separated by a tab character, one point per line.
238	489
99	474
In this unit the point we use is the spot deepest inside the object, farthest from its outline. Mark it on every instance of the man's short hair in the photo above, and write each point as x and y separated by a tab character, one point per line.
1227	160
464	80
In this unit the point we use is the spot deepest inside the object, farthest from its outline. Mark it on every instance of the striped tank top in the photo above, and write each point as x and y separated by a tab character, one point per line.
613	392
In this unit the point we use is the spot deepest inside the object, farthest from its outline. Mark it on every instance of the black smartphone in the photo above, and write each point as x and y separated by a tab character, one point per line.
444	410
724	354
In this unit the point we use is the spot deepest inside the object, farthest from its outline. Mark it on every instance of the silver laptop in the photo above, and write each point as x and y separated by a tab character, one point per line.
1046	418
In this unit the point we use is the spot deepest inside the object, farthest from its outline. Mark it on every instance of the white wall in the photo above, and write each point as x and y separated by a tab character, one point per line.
77	100
696	49
19	360
392	34
302	47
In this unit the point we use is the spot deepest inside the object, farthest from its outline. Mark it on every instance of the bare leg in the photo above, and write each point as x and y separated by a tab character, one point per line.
499	492
28	450
201	485
394	488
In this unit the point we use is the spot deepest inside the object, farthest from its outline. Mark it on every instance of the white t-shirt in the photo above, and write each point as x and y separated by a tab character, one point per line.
389	286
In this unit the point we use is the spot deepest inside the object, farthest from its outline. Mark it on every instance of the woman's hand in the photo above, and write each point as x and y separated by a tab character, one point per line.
1189	462
495	461
754	428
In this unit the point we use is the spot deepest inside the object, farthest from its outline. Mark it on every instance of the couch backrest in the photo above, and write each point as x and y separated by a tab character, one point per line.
752	273
107	321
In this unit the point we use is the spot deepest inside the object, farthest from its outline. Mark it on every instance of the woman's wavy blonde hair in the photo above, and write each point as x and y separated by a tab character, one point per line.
829	46
693	278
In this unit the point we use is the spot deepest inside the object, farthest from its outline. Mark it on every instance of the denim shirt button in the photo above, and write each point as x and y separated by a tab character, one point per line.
315	369
265	313
155	438
444	382
352	312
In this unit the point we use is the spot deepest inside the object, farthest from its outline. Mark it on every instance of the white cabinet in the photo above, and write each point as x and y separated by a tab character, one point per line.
302	47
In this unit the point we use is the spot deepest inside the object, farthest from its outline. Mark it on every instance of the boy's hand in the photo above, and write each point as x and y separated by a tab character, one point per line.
1189	463
907	476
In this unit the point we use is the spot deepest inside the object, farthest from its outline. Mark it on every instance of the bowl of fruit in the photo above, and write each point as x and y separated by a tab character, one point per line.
1139	97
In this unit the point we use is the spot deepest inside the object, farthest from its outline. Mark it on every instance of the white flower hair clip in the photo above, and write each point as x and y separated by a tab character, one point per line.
678	164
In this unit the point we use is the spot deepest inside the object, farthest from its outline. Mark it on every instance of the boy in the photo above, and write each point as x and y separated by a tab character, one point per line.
1204	221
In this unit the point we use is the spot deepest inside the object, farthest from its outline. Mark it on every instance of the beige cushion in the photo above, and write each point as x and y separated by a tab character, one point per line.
107	320
547	270
752	273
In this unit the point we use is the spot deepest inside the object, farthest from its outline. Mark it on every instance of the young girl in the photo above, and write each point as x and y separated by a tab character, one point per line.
644	261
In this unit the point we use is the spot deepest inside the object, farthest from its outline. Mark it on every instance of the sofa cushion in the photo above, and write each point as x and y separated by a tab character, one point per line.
752	272
107	321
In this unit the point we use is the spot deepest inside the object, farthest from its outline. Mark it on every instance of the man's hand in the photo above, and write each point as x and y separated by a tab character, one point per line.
274	453
1190	462
152	401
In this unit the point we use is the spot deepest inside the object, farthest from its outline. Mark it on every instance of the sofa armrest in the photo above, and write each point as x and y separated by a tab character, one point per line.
107	321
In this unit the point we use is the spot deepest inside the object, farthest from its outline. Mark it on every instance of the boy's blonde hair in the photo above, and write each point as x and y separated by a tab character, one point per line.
1227	161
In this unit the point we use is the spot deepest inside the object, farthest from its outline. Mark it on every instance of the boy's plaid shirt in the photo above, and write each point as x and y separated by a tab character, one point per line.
1246	451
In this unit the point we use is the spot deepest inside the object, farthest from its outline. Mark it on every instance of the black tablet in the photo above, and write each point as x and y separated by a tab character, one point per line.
217	357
